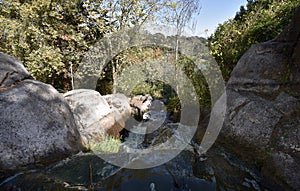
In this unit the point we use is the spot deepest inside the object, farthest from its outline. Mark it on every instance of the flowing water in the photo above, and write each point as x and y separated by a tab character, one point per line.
218	169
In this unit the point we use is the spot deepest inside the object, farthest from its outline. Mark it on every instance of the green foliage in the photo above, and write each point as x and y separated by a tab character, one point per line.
48	36
174	105
141	59
260	21
136	57
107	144
197	79
154	88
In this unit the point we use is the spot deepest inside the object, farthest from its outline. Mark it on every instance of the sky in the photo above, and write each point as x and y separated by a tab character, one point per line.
214	12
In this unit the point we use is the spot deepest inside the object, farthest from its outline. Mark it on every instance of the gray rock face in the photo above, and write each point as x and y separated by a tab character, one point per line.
285	167
263	117
98	115
36	126
11	71
250	119
262	69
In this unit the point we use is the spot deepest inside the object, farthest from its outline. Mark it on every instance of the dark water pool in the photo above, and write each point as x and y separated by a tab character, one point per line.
218	170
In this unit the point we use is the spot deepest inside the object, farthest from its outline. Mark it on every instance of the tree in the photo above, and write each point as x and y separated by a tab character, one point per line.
123	14
142	59
260	21
178	13
48	36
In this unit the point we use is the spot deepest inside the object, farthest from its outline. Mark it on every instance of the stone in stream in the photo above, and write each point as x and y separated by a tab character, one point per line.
140	104
36	123
96	115
262	122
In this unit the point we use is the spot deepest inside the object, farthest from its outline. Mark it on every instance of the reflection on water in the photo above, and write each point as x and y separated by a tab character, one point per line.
86	171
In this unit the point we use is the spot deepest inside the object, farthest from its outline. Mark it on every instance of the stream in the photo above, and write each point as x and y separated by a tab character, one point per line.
218	169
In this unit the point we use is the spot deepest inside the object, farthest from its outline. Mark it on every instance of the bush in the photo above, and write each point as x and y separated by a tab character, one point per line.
107	144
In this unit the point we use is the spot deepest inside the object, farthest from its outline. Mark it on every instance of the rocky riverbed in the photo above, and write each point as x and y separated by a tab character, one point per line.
217	170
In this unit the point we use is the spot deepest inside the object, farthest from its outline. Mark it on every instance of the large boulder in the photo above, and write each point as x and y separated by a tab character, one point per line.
36	123
96	115
262	121
12	71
